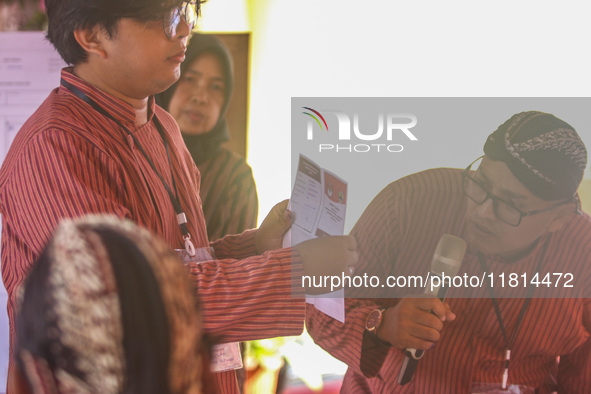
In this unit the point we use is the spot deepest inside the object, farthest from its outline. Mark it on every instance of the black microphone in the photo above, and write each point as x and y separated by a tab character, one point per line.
446	262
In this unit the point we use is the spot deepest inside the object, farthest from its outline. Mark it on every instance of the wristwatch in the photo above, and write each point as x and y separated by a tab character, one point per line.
374	319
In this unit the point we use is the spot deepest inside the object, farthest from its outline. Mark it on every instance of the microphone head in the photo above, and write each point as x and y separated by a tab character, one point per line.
448	255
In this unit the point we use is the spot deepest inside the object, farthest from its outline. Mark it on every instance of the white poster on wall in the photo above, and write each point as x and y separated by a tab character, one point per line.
29	70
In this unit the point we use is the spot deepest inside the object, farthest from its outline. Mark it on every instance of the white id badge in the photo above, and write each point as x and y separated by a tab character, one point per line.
226	356
495	388
201	255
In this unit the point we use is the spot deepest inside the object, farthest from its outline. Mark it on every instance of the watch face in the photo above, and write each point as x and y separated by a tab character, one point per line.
373	320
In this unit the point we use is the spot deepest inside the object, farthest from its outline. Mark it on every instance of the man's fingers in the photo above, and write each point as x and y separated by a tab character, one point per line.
350	242
351	253
288	216
328	255
450	316
410	334
436	307
410	323
418	343
428	320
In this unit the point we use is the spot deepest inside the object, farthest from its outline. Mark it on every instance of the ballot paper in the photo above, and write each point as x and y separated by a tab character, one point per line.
318	203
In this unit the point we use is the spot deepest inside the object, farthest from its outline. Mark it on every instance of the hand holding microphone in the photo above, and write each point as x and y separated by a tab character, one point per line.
415	323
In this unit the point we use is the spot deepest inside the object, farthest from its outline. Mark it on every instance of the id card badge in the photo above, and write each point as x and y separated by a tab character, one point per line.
495	388
226	356
200	255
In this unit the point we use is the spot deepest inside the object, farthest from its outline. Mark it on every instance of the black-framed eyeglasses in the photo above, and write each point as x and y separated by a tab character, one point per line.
188	10
503	210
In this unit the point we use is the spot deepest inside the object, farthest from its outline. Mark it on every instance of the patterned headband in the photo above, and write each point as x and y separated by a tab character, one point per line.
543	152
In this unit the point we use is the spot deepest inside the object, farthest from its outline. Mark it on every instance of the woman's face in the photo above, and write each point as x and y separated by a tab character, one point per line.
200	94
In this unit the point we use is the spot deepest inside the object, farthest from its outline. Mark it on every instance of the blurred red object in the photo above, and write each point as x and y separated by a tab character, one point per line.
330	387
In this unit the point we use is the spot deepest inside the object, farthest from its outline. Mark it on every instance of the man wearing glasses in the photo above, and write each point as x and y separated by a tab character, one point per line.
518	210
99	144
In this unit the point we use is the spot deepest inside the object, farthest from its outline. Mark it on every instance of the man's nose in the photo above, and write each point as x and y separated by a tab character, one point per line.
183	30
487	209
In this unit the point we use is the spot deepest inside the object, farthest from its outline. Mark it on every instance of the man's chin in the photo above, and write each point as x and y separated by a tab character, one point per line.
169	81
484	245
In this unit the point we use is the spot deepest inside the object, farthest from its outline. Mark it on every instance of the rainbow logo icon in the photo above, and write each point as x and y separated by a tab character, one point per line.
315	118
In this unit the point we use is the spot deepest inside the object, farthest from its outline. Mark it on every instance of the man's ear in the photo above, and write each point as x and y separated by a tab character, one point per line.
92	40
563	214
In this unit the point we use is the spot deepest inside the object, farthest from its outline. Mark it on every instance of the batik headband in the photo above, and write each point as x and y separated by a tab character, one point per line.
543	152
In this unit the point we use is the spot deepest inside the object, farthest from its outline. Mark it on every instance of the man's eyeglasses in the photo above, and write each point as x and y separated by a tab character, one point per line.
188	10
503	210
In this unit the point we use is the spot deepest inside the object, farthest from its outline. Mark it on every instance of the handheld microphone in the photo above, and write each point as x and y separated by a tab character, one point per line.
446	262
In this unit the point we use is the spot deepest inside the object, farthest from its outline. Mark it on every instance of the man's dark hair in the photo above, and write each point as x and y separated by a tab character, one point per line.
66	16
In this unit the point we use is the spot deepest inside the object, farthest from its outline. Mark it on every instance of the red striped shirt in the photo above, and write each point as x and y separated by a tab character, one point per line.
69	160
397	235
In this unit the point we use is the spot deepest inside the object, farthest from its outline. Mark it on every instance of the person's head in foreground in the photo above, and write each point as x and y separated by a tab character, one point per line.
108	308
526	184
198	101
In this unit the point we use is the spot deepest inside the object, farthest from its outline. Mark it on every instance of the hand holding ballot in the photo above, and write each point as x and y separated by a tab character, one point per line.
328	256
320	256
319	201
270	234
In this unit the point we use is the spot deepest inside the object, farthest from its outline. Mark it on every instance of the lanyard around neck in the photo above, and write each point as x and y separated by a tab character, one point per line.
509	341
174	199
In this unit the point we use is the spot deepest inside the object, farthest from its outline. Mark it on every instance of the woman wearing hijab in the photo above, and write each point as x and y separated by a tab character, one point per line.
198	101
108	308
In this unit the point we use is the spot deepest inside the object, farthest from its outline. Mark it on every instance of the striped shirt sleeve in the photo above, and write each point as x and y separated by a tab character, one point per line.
238	246
254	298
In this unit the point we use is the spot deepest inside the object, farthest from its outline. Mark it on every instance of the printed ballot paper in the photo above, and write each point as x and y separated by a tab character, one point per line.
318	202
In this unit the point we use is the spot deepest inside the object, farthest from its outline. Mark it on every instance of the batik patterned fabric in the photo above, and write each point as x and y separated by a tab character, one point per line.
85	337
545	153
